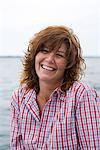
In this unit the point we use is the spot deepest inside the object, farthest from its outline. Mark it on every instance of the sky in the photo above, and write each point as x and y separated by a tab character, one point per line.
21	19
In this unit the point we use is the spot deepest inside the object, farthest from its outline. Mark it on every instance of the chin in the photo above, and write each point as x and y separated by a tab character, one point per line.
46	79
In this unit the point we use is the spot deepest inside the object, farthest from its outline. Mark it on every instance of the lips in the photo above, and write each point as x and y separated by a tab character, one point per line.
49	68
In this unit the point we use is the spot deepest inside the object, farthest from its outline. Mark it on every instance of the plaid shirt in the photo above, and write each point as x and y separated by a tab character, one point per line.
69	121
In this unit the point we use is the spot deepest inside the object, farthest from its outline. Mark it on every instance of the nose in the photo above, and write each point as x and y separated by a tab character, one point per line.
50	57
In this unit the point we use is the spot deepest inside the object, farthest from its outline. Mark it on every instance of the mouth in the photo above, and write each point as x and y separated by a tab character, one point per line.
49	68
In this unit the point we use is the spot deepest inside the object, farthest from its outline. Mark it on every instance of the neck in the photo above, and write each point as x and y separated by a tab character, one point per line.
46	90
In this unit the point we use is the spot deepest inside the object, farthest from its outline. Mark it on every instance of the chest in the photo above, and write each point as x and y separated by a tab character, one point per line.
57	123
41	104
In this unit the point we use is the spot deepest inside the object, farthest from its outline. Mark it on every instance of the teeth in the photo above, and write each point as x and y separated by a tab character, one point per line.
47	68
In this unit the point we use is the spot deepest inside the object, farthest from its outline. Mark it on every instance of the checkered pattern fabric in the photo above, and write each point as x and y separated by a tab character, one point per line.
69	121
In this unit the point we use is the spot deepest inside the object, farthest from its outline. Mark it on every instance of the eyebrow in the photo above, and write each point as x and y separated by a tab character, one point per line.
45	48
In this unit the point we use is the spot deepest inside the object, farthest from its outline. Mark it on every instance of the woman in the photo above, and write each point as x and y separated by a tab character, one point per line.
53	109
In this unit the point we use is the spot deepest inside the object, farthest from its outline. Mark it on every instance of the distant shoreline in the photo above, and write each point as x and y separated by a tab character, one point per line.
22	56
11	56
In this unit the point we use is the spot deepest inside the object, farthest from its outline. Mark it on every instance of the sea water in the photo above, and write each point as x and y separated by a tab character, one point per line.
10	69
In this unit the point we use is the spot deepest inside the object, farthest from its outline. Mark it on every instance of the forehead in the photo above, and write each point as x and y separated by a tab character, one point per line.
62	48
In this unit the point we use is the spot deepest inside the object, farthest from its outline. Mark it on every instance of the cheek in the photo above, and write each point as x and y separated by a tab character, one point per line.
36	63
37	59
62	65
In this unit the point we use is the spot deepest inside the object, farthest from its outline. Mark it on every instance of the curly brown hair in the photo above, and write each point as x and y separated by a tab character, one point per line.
52	37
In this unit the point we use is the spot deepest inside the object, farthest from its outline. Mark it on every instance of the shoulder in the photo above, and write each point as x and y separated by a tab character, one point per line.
19	94
79	85
19	91
85	93
80	89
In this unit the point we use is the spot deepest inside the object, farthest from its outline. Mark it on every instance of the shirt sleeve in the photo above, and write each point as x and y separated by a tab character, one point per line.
88	120
15	136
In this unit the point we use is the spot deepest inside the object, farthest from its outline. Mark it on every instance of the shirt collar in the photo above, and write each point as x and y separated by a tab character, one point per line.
59	93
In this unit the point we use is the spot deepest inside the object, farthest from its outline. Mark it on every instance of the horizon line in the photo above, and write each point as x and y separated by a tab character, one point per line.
19	56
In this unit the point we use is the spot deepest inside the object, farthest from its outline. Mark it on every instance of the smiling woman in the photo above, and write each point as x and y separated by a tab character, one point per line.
50	66
61	42
53	109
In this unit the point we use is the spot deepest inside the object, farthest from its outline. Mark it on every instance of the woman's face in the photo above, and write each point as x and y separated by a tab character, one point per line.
50	66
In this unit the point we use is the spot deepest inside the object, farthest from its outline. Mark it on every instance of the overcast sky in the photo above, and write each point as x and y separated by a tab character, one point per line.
20	19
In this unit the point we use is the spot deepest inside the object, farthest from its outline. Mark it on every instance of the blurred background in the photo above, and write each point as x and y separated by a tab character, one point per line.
20	19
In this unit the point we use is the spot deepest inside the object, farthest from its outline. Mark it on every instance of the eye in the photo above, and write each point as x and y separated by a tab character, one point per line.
60	55
45	50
